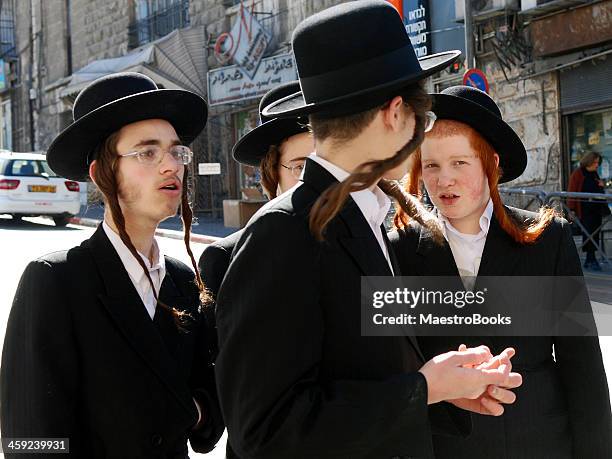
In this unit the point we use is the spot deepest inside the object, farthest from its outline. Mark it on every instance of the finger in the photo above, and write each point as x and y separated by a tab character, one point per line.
493	407
472	356
498	360
510	352
462	347
501	395
513	381
496	376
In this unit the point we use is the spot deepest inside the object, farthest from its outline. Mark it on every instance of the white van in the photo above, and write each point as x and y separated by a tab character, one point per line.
28	188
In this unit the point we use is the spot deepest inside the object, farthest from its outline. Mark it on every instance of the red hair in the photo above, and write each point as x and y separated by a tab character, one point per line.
524	232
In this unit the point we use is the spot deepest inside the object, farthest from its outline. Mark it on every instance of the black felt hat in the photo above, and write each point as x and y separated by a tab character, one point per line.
353	57
111	102
478	110
254	145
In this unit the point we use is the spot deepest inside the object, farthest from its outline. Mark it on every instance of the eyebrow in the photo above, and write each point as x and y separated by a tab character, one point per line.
146	142
450	157
300	158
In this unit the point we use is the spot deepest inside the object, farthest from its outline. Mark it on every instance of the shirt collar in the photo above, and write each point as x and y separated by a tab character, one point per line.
484	222
131	265
374	205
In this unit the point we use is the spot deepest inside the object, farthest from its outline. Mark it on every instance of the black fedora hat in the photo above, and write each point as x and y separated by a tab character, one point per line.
478	110
254	145
111	102
353	57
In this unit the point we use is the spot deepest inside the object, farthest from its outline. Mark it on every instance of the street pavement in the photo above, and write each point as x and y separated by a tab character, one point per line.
21	242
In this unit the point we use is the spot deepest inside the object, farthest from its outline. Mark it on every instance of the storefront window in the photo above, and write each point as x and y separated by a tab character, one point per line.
6	135
249	176
592	132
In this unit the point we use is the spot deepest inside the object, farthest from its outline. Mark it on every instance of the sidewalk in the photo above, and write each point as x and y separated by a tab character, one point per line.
205	229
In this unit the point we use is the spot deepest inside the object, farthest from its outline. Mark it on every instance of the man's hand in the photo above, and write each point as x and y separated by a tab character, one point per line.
455	375
492	400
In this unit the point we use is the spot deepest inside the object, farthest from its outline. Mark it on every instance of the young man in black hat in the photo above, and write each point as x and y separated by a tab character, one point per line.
279	148
106	343
296	378
463	158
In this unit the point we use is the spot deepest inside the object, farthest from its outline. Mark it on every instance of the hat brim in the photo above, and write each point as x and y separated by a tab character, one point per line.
70	153
295	105
254	145
506	142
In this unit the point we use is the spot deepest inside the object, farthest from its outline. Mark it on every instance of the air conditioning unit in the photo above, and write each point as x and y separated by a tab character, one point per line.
540	7
484	9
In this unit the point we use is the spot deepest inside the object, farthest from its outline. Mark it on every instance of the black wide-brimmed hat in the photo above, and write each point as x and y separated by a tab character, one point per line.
111	102
478	110
254	145
353	57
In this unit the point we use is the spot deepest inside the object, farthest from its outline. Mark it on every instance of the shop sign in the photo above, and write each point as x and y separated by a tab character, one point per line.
209	168
232	84
416	21
245	44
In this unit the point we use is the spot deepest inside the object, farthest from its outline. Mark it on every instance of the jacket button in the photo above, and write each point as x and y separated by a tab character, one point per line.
157	440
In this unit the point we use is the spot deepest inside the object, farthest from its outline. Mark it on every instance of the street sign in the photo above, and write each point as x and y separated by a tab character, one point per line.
209	168
476	79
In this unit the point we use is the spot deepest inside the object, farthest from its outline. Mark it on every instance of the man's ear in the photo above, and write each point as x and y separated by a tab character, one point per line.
393	114
92	170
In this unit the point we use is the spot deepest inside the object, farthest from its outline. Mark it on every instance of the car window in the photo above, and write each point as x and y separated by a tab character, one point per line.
29	168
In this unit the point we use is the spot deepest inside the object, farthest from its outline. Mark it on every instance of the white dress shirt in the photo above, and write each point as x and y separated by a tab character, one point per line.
467	248
157	270
374	205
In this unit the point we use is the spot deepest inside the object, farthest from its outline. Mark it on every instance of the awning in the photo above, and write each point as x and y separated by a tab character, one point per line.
176	61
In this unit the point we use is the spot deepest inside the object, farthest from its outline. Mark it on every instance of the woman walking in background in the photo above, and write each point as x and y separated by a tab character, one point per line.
585	179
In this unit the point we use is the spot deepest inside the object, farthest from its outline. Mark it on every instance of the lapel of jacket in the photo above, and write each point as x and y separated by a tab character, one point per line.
436	259
128	313
358	240
500	255
392	255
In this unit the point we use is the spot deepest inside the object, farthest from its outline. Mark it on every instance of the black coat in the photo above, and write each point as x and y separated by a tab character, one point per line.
562	408
215	260
296	379
82	359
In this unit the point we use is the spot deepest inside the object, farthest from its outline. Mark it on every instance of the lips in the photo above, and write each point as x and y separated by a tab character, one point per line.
171	187
448	198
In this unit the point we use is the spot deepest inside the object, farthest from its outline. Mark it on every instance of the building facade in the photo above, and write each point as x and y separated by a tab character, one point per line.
547	63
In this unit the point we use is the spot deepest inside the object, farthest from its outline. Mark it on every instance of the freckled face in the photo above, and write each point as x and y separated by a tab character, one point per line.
454	178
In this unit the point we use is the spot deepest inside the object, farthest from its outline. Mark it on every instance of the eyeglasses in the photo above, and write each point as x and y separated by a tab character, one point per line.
296	170
153	155
430	120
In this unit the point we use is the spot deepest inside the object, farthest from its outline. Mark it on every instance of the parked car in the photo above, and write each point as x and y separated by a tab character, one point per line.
29	188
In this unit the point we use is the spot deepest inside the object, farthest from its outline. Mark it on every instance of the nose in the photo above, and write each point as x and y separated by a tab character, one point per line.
446	178
169	164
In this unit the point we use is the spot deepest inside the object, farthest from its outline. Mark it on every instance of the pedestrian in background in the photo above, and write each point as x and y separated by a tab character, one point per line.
585	179
106	343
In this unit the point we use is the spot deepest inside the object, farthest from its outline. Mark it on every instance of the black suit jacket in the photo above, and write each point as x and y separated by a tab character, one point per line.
215	260
562	408
296	379
82	359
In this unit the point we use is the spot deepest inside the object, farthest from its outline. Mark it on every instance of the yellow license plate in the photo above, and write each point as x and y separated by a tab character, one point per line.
42	188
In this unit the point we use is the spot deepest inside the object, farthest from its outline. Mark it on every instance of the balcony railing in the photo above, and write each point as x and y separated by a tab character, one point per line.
159	24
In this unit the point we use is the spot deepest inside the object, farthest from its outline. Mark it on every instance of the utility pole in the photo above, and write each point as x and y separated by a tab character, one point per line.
469	35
